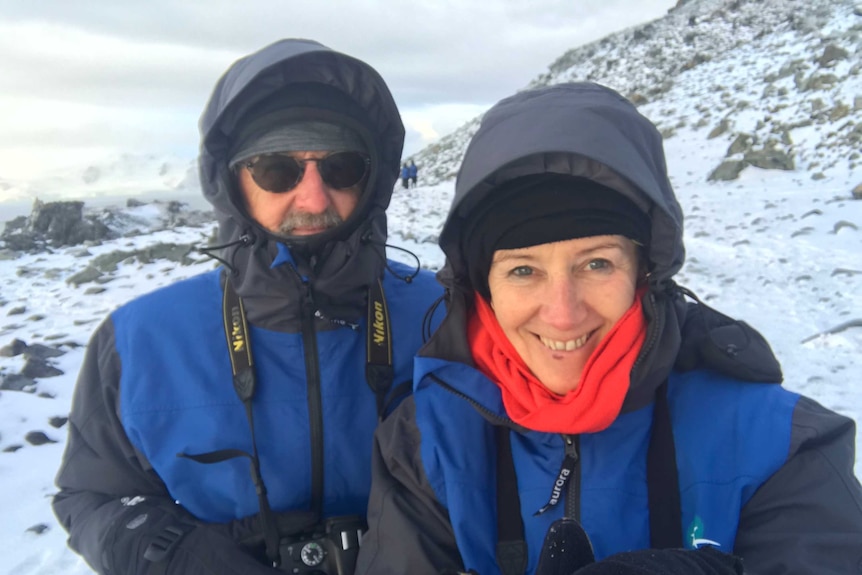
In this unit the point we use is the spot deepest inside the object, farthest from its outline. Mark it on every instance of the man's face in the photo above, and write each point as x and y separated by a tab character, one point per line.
309	208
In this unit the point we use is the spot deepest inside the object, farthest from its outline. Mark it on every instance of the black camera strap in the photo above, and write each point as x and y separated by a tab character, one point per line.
379	372
244	383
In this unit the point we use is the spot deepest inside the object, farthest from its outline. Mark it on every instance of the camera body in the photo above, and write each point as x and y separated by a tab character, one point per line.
328	549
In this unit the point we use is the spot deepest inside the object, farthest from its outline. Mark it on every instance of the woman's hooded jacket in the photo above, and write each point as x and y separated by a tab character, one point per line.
157	384
757	465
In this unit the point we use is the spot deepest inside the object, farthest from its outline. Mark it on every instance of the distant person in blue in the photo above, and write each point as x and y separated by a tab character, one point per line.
405	176
578	412
224	424
413	172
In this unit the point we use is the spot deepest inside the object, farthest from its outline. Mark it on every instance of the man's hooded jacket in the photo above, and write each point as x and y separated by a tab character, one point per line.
157	384
762	473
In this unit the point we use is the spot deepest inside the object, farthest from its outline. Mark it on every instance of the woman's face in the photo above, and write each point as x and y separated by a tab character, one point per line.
556	301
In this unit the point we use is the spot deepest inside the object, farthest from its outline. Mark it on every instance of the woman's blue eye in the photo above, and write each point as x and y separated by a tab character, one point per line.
599	264
522	271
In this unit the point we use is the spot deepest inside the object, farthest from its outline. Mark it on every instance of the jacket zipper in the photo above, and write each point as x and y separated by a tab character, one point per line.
315	403
573	487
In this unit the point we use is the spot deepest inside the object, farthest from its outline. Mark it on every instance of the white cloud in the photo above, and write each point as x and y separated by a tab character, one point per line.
135	76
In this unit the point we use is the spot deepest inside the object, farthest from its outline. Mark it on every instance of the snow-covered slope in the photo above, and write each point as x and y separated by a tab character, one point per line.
780	76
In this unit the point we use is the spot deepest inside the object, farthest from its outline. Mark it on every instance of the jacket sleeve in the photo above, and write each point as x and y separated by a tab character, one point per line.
111	501
408	528
807	518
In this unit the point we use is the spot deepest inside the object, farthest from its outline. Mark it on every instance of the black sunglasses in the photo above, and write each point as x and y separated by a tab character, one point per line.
279	173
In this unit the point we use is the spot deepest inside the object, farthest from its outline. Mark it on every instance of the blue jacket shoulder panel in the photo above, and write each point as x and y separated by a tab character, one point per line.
731	436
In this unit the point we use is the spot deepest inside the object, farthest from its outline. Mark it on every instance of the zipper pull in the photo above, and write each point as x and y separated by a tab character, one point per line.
566	470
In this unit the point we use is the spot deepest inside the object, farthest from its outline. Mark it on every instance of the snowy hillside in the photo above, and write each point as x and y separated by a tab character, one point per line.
779	80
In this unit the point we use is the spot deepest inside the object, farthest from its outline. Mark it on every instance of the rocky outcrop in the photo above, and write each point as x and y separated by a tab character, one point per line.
53	224
68	223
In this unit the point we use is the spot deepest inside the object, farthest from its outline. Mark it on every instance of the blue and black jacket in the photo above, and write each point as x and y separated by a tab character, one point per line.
763	474
156	389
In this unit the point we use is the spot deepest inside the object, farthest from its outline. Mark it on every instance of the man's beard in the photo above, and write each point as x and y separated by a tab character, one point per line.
326	220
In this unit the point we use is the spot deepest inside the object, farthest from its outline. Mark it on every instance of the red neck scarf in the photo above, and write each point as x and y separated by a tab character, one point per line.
592	406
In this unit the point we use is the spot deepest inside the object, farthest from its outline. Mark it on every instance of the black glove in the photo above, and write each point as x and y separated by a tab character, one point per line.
704	561
162	539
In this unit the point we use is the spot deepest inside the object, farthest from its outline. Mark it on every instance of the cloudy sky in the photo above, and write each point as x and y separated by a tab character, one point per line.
80	81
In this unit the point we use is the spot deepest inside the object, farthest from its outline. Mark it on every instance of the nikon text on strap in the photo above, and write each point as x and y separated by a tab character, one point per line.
379	372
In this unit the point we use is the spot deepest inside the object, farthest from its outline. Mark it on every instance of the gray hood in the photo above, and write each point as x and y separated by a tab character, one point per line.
340	263
601	136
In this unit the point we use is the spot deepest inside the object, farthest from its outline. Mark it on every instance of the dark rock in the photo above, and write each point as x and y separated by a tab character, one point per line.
58	421
817	82
841	110
696	61
174	252
770	159
637	99
740	145
57	224
40	351
720	129
857	192
17	310
38	529
39	368
12	448
63	224
789	69
17	347
175	207
15	225
55	336
844	224
727	170
845	271
108	262
38	438
133	203
88	274
94	290
17	382
831	54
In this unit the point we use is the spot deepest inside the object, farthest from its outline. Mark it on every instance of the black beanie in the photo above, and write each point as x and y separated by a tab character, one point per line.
545	208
